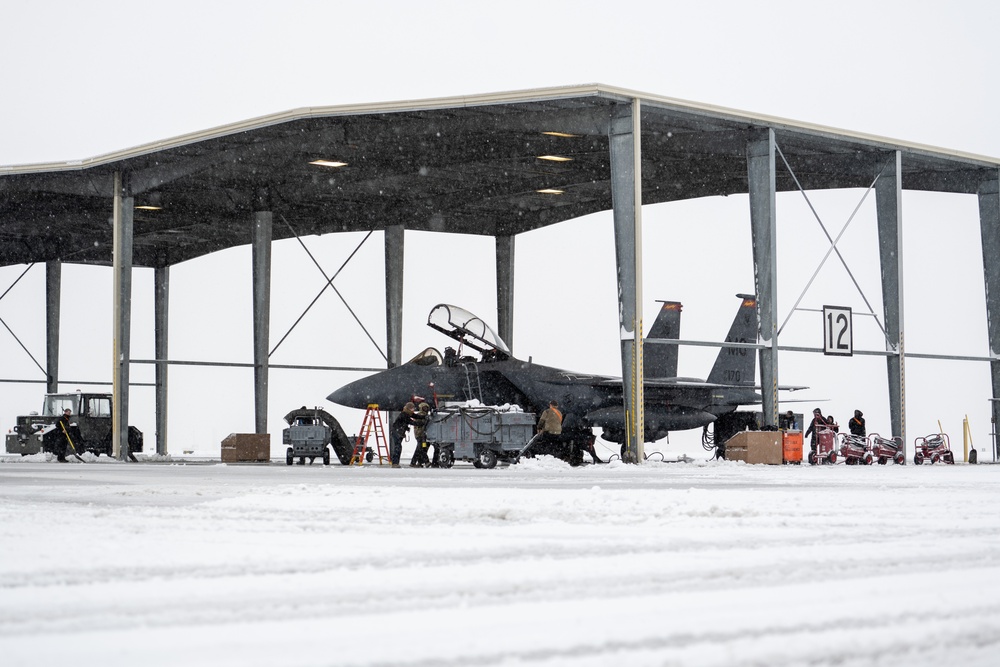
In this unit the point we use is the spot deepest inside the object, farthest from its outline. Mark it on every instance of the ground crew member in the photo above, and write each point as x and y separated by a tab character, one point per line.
857	424
550	422
397	432
818	422
420	419
59	449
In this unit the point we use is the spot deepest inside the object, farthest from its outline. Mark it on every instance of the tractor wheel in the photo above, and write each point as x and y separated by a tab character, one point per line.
288	456
899	458
326	457
918	459
832	458
868	459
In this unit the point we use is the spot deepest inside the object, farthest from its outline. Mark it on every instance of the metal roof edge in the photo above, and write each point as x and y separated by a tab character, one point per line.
484	99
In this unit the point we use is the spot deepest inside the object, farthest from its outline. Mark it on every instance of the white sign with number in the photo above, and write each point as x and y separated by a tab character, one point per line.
838	331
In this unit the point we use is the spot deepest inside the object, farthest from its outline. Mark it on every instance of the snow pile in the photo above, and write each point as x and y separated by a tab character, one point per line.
708	563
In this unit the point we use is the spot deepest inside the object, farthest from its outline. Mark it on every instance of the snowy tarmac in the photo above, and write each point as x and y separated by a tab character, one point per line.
536	564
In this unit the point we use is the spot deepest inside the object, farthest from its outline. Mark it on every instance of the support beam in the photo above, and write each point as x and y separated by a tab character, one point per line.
761	179
889	208
626	196
394	295
161	305
505	289
989	226
122	309
53	291
263	223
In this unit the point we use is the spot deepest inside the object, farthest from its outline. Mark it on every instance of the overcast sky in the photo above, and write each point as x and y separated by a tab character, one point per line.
85	78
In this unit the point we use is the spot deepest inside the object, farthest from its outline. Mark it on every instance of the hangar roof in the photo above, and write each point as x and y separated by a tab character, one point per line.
471	165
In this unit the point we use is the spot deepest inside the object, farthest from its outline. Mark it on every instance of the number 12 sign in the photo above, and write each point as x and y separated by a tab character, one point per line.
838	333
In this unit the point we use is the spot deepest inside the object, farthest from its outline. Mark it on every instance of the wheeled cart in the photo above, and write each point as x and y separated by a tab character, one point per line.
933	448
482	434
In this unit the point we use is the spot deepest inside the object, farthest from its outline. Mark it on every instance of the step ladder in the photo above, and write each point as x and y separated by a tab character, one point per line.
371	426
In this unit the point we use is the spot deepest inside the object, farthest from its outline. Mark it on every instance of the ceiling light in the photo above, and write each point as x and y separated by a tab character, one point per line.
555	158
550	191
146	207
328	163
561	134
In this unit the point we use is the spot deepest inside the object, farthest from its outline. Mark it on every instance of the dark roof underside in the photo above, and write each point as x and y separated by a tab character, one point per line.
467	168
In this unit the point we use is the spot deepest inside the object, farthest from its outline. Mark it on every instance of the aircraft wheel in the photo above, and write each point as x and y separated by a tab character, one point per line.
326	457
832	457
487	458
288	456
369	455
447	458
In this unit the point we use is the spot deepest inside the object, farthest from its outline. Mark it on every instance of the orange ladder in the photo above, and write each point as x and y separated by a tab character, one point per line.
372	425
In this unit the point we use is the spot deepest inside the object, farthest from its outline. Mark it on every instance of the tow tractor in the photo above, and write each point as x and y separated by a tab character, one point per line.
90	426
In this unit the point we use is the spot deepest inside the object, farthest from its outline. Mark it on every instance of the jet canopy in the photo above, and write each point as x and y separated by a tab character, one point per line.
467	329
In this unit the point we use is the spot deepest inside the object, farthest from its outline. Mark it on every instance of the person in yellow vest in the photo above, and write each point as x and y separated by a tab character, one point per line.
550	423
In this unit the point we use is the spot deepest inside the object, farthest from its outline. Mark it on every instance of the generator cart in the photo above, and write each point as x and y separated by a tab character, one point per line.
482	434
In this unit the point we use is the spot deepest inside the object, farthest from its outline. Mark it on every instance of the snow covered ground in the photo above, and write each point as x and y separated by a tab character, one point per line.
536	564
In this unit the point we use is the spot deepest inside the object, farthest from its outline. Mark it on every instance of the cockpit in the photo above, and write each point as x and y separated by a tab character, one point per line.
464	327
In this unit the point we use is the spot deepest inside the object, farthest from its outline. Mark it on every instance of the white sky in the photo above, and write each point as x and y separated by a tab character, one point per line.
81	79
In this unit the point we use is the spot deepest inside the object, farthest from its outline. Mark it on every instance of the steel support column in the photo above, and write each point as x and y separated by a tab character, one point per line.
989	226
263	224
53	291
161	303
889	209
505	289
761	180
122	311
624	136
394	295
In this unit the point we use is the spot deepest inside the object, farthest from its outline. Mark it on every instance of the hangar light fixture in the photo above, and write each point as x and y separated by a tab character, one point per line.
146	207
555	158
550	191
328	163
561	134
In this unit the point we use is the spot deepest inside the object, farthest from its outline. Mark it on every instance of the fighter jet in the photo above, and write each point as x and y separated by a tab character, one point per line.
496	378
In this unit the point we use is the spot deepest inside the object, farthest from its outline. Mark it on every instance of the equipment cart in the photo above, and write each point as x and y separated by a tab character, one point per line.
483	435
311	433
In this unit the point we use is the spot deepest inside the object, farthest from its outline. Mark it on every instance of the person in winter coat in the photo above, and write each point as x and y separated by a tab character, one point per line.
63	441
550	422
397	432
818	422
857	424
420	419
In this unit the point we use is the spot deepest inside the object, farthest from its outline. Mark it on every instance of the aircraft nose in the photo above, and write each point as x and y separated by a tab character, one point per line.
350	395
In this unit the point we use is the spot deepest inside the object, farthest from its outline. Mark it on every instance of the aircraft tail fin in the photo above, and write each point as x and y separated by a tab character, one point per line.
660	361
737	365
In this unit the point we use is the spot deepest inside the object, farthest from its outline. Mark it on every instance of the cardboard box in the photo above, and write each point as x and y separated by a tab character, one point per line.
755	447
246	447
